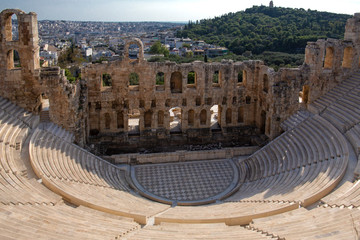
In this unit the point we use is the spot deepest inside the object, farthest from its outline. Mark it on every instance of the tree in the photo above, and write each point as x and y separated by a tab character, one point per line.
158	48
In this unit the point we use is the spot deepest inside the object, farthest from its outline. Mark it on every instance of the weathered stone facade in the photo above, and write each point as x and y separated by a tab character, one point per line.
130	103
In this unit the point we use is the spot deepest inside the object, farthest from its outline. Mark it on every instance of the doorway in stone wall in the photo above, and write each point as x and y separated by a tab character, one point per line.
175	119
214	124
134	122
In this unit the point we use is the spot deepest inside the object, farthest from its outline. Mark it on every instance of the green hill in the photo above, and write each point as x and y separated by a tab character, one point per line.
261	28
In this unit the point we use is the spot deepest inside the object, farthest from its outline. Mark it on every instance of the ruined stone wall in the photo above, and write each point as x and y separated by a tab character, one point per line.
251	98
19	82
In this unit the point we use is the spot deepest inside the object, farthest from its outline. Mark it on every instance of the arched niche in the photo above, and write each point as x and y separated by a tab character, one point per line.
176	82
329	57
203	117
191	117
348	56
148	119
228	116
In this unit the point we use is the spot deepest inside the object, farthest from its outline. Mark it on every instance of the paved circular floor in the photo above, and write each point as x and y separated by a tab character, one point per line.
186	182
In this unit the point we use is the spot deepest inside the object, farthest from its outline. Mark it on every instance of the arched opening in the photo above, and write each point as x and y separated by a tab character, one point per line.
191	117
175	119
160	81
248	100
241	115
12	27
176	82
191	79
203	117
304	94
214	119
216	79
106	80
262	122
147	119
240	77
329	57
13	60
15	27
265	83
161	118
133	79
120	120
107	120
228	116
134	50
347	59
134	121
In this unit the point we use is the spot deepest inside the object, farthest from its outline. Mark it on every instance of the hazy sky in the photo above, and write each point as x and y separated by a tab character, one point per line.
160	10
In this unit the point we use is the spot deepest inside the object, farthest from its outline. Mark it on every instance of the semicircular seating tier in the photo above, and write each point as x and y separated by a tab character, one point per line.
296	169
28	210
84	179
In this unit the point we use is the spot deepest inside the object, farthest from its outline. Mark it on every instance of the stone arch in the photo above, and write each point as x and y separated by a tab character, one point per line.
191	117
175	119
147	119
13	59
107	120
329	57
120	120
6	17
135	41
203	117
348	56
176	82
265	83
228	116
160	118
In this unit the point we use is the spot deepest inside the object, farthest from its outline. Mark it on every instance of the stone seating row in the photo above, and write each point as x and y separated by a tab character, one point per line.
230	213
295	169
295	120
348	198
16	187
28	210
18	112
58	131
318	223
304	185
338	92
353	135
314	140
84	179
345	112
60	159
170	231
61	222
